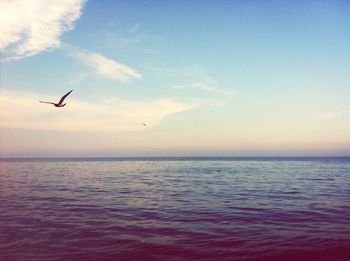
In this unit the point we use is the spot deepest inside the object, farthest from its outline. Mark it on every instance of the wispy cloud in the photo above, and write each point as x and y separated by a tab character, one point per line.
22	110
77	78
28	27
121	38
204	87
106	67
195	78
330	115
186	72
134	38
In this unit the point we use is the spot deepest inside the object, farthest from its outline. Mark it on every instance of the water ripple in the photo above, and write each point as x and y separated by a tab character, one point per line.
175	210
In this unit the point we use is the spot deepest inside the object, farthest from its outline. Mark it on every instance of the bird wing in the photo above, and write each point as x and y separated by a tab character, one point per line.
48	102
64	96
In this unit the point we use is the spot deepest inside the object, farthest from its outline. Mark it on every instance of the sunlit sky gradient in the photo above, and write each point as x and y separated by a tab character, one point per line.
208	78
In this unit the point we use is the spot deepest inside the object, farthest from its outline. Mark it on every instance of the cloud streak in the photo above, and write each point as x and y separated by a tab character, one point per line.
204	87
193	79
330	115
106	67
22	110
28	27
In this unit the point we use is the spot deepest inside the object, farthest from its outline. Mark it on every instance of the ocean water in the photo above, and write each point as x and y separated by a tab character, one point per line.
167	209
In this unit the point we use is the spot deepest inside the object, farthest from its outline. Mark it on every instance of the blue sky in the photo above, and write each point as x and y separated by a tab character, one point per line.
208	78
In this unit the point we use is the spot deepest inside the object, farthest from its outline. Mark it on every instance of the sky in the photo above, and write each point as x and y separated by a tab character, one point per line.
175	78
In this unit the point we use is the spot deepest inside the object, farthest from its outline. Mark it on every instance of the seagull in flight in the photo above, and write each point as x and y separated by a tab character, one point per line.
60	103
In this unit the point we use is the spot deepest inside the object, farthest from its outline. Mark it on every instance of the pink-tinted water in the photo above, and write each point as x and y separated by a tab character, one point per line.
95	209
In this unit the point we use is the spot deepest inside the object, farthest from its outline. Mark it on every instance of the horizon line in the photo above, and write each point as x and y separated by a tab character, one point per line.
174	157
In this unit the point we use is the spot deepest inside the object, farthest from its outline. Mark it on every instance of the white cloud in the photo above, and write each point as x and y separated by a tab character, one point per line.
194	77
106	67
189	72
78	77
330	115
28	27
204	87
22	110
121	38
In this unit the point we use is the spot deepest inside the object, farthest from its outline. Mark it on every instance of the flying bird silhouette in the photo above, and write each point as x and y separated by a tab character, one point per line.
60	103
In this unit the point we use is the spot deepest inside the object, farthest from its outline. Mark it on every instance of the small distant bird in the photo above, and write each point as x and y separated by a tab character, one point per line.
60	103
144	124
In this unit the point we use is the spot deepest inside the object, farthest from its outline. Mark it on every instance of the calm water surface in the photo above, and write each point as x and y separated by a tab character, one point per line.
163	209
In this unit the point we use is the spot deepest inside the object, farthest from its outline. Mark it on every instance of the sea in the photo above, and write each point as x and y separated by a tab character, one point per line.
175	209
